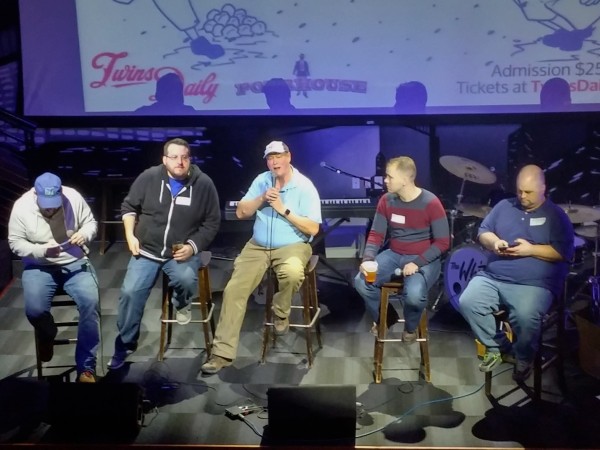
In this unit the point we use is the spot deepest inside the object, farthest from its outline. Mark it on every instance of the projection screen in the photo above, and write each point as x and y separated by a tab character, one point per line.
295	57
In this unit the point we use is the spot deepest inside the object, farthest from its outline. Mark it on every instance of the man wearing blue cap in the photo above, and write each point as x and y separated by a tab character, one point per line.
49	228
288	214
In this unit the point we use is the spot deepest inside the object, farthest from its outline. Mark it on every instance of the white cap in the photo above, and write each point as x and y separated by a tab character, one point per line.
276	147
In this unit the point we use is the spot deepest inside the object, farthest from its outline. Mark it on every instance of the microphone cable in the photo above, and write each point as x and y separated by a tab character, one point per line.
270	283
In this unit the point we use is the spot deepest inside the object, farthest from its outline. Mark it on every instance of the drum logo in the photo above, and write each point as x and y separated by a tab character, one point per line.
468	269
462	265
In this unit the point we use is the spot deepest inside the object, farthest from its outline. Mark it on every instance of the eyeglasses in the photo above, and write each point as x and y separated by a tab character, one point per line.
275	156
176	157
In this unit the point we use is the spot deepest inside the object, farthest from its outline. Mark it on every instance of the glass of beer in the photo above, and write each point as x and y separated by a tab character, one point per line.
371	270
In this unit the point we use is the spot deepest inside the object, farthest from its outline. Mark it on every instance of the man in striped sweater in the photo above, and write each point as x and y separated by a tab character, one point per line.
415	222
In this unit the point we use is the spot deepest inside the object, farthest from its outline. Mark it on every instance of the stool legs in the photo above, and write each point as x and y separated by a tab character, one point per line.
423	339
557	318
310	313
381	339
268	318
58	302
206	311
165	318
205	300
381	332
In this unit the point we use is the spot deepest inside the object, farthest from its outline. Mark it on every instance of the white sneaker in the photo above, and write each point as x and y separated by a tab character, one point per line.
183	316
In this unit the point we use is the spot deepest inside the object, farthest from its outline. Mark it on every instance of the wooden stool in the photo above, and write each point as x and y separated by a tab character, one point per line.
61	299
422	333
204	302
310	310
554	318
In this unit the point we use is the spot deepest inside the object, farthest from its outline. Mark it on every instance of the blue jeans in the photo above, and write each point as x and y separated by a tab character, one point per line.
78	279
140	278
414	294
526	306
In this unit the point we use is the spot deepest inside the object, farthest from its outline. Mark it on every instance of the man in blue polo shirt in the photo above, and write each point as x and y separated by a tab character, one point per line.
288	214
531	240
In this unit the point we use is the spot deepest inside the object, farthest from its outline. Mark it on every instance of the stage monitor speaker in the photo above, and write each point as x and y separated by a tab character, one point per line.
312	414
84	406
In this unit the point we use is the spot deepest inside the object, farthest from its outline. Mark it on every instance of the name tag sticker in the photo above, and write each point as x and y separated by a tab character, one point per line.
185	201
537	221
397	218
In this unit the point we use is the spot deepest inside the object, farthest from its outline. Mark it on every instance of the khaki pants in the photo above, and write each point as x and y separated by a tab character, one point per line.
248	270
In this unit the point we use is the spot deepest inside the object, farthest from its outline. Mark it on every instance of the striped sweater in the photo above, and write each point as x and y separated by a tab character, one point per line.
418	227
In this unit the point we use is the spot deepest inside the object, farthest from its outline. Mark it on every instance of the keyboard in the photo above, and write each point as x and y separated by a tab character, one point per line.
331	208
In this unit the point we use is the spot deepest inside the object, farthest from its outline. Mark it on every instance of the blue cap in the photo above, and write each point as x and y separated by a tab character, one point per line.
48	190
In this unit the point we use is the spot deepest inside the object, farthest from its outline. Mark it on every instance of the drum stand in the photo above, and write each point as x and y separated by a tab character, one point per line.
453	215
595	304
594	281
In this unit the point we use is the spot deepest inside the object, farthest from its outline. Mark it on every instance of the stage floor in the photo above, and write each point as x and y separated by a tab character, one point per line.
183	407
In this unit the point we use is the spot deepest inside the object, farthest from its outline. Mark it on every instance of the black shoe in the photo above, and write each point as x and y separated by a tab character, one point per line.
46	350
522	371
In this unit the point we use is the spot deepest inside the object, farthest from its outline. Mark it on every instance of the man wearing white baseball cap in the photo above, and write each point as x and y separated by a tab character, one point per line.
288	214
49	228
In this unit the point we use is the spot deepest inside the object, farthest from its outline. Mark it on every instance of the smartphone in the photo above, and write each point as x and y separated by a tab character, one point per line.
514	244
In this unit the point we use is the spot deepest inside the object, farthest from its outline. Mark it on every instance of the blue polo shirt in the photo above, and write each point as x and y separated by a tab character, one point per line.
547	225
299	195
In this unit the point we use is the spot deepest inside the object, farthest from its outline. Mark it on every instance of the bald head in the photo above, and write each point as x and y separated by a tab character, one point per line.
531	187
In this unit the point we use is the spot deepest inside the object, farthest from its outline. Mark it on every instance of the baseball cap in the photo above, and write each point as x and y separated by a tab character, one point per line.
48	190
276	147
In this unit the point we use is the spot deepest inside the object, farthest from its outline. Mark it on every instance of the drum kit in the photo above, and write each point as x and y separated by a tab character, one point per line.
461	263
589	230
467	170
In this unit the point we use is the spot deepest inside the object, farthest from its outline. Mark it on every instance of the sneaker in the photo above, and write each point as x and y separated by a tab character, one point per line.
490	360
409	337
282	326
118	359
374	330
87	376
509	358
183	316
214	364
522	371
46	350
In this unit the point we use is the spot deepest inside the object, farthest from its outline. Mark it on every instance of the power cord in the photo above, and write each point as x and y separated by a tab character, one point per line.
431	402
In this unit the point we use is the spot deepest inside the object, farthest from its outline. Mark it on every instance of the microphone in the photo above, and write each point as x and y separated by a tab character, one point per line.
86	250
398	272
327	166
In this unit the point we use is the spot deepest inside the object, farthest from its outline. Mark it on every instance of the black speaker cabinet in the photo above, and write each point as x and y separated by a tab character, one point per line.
83	406
312	414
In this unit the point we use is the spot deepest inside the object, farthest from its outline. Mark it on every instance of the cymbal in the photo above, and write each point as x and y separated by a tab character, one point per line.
467	169
587	231
580	213
473	209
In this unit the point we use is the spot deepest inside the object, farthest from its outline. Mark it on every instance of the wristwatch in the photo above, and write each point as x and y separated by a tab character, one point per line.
287	212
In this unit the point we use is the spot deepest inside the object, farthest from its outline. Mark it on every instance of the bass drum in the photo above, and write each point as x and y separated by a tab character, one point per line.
461	265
